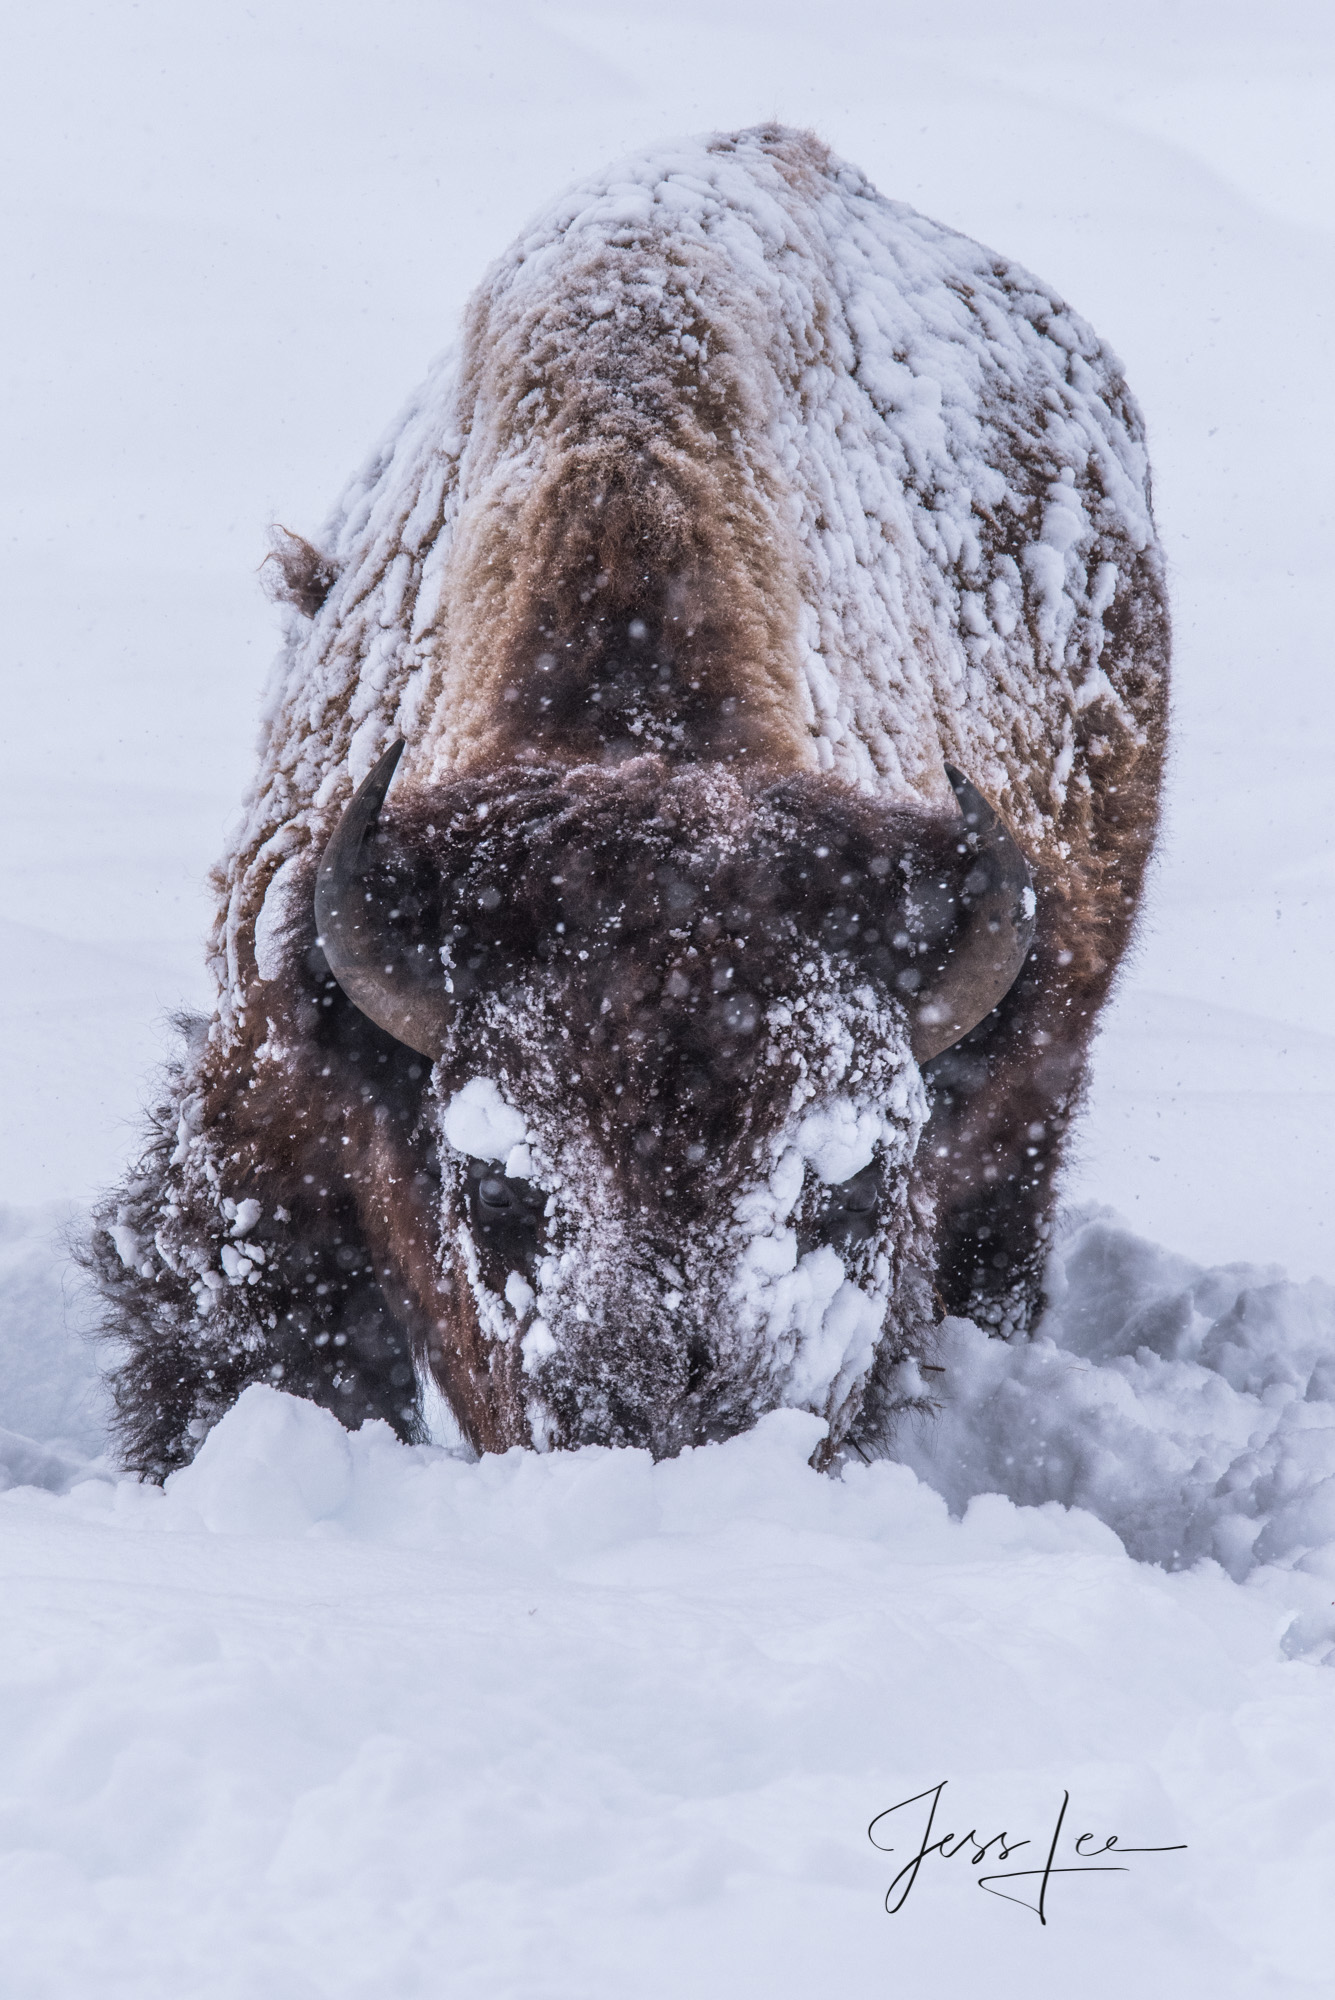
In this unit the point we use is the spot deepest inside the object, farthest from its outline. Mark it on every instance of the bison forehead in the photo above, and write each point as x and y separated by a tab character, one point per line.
688	876
671	1112
649	943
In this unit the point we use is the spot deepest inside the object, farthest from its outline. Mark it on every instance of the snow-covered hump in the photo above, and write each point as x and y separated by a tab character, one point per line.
943	457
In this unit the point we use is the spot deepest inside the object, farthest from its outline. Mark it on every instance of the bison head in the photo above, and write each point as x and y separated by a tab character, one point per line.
676	1017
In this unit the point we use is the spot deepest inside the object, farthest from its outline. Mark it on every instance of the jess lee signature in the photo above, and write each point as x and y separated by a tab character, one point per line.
950	1846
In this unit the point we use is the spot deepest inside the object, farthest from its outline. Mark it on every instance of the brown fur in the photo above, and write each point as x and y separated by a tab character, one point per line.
657	505
621	572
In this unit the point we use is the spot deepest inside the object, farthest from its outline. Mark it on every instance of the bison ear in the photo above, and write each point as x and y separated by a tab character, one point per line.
296	572
381	972
979	960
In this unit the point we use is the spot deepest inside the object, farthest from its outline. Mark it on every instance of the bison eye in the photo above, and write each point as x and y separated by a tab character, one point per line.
846	1214
505	1217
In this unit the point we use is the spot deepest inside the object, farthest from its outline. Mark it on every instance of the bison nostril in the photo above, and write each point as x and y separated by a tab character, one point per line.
494	1193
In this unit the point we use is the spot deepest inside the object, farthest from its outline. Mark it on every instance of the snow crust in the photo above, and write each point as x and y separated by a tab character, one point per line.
1191	1410
353	1715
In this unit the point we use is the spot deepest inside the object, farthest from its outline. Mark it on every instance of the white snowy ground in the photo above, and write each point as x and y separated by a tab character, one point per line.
331	1718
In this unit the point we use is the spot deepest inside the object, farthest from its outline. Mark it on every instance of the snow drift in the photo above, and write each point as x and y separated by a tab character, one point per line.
337	1715
1192	1411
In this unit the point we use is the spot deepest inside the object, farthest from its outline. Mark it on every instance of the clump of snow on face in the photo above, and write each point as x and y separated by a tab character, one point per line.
519	1295
478	1121
837	1337
840	1138
537	1344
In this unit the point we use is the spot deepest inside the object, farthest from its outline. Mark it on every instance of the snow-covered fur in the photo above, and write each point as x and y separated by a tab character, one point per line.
749	500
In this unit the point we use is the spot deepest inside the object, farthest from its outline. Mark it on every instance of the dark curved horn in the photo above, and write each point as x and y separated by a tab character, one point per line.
364	957
982	959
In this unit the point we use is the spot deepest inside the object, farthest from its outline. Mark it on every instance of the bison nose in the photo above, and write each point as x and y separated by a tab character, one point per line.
493	1193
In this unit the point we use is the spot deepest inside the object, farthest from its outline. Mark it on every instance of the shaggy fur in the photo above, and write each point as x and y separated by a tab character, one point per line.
750	500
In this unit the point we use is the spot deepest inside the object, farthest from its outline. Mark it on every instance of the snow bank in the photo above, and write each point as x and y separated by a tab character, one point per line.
328	1715
1193	1411
333	1716
53	1409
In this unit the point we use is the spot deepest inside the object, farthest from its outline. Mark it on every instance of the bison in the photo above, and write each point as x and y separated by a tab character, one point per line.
761	621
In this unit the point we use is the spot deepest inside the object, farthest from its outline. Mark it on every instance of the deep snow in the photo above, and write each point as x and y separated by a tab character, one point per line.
333	1716
329	1717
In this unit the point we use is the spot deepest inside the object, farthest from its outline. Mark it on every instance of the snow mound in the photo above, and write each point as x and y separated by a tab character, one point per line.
335	1716
332	1716
53	1408
1191	1410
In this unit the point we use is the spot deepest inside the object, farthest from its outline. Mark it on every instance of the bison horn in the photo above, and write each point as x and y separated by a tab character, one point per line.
374	971
982	958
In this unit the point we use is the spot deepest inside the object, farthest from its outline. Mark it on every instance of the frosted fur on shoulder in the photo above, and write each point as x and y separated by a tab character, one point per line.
951	468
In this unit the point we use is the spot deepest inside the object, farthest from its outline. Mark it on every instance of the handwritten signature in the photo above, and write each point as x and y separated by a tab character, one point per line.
949	1846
